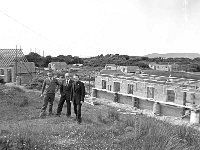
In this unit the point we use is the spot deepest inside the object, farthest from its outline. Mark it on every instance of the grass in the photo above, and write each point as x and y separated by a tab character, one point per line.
102	128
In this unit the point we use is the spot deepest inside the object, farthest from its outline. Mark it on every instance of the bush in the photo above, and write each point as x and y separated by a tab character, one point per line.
17	89
36	83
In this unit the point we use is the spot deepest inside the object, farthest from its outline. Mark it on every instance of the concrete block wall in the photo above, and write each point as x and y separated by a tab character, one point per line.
159	93
168	110
165	109
105	95
124	86
196	97
6	74
98	82
26	78
145	104
140	89
125	99
179	96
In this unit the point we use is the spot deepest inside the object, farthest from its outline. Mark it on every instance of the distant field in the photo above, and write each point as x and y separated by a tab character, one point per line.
173	74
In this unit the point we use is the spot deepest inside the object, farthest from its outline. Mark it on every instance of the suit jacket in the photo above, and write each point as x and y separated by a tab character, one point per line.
78	92
65	89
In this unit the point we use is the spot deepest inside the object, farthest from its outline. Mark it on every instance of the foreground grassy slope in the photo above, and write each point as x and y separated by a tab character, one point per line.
102	128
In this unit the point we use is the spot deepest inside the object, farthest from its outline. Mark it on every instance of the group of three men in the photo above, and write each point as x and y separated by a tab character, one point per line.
70	90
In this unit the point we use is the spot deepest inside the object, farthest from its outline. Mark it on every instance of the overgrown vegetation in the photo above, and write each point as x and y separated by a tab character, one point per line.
135	132
36	82
103	127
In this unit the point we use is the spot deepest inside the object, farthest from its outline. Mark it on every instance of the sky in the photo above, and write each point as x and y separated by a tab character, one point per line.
92	27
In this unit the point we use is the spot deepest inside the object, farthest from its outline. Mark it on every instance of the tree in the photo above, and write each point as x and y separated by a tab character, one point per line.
34	57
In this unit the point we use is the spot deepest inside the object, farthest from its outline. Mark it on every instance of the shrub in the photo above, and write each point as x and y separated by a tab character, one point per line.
113	115
17	89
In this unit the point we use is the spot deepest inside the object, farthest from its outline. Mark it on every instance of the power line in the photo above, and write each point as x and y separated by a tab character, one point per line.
26	27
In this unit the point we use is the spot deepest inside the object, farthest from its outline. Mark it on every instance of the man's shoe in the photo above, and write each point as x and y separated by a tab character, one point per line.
58	115
42	115
50	114
68	116
79	121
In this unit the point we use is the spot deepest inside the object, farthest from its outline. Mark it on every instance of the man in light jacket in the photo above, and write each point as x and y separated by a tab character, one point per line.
49	88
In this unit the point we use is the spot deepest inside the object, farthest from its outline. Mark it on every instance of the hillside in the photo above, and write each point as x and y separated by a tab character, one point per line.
103	127
174	55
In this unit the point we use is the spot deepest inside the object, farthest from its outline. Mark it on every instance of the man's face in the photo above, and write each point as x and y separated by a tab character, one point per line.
67	76
50	75
76	78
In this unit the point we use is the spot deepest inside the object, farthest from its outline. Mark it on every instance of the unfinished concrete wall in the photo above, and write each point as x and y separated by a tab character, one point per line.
166	109
145	104
125	99
193	98
160	94
26	78
179	96
140	89
98	83
105	95
9	73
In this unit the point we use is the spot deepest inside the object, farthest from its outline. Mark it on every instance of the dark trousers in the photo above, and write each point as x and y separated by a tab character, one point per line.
61	103
77	111
48	98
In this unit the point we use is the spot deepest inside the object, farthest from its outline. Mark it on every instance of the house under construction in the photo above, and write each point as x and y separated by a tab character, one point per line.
175	95
15	67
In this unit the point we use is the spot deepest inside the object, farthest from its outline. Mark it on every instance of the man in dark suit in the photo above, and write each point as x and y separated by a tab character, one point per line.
65	91
77	96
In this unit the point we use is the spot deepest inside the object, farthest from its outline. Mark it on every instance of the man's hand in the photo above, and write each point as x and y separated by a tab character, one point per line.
41	95
82	102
